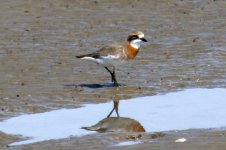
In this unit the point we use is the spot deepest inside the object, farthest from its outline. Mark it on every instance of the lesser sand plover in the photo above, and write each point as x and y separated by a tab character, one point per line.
114	54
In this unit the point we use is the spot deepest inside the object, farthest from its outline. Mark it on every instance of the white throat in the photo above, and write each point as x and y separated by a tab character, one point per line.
136	43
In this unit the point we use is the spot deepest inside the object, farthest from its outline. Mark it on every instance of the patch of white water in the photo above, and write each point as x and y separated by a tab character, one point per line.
192	108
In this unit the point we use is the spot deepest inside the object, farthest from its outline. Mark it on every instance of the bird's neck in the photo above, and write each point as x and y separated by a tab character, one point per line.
131	50
135	45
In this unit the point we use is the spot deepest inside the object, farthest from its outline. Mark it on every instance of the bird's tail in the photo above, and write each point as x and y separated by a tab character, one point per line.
92	55
80	56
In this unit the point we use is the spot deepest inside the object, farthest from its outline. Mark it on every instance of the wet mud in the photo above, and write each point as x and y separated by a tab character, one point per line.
38	70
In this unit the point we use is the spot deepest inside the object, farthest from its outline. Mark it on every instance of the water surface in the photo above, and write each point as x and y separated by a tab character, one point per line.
192	108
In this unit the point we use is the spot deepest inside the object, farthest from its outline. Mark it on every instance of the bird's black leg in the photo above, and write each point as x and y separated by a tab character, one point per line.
114	108
113	78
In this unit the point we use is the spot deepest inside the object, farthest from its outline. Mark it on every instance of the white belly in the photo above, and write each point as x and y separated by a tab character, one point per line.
107	61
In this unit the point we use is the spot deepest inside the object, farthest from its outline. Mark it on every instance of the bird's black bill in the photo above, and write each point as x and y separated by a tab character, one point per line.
143	39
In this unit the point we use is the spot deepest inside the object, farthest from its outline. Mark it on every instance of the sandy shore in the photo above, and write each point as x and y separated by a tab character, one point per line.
39	72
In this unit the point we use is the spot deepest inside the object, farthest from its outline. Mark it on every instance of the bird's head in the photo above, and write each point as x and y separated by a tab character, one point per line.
135	39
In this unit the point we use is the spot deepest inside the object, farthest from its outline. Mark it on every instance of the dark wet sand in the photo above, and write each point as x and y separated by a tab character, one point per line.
38	70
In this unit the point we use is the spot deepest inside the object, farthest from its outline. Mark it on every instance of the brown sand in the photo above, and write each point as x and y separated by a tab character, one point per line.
39	39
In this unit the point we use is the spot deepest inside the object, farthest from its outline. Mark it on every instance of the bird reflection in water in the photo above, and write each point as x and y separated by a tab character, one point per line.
116	124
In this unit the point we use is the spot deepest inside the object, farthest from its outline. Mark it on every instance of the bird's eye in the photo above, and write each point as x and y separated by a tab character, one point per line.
133	37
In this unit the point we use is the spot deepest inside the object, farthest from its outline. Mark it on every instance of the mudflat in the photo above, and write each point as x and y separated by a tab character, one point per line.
39	72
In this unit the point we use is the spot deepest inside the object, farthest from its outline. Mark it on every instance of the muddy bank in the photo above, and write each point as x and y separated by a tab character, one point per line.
39	39
195	139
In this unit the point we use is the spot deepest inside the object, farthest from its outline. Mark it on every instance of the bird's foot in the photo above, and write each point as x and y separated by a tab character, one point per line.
116	84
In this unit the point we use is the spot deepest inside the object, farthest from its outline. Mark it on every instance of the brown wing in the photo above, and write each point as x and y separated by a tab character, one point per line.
107	50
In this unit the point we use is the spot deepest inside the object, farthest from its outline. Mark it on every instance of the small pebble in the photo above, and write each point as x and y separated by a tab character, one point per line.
181	140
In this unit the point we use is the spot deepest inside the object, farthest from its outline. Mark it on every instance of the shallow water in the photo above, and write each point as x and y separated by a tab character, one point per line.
39	40
192	108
